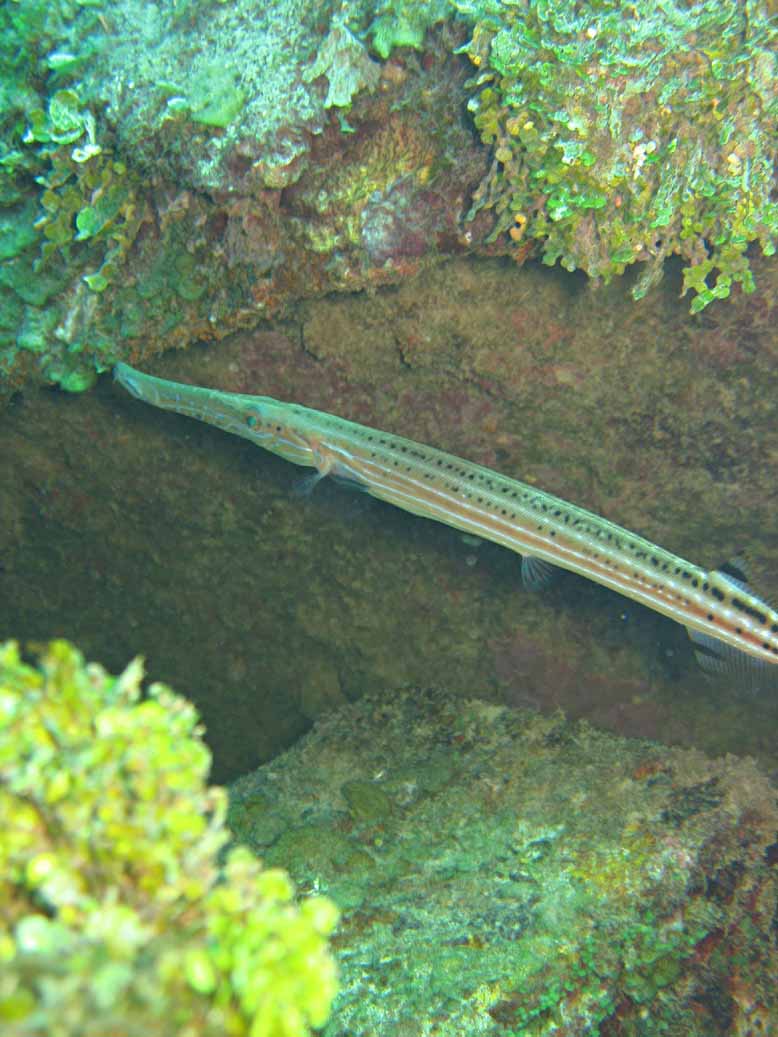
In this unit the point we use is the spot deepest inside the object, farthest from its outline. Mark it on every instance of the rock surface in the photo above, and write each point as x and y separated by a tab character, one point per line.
502	873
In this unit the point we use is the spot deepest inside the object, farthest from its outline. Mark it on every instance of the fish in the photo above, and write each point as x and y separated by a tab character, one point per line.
734	630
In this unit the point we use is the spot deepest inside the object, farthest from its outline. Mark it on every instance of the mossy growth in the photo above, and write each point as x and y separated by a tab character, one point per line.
211	97
625	133
344	61
115	913
75	209
403	23
87	196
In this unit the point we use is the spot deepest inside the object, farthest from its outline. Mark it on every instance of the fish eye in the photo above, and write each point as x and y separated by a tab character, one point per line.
251	420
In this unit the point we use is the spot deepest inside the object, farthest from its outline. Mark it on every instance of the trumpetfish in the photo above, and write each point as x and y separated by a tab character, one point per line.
732	628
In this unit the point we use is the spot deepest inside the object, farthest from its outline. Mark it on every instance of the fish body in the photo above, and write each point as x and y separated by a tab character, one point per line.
722	614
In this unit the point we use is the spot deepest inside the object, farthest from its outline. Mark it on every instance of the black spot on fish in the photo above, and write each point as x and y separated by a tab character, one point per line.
749	610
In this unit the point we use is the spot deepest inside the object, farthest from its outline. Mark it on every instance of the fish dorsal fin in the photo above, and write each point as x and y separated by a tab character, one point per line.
721	660
744	573
738	571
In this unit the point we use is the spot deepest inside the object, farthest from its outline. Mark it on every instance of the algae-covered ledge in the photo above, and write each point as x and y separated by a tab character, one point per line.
177	171
502	873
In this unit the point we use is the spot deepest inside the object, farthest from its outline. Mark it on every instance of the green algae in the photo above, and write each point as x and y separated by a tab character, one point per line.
344	60
404	23
366	800
212	97
76	235
625	135
17	229
117	916
617	139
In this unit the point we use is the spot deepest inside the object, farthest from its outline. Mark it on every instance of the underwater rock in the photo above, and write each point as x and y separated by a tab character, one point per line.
206	165
129	530
182	170
559	880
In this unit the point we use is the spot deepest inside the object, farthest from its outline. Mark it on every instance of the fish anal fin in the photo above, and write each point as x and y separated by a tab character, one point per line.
342	478
304	487
536	573
722	661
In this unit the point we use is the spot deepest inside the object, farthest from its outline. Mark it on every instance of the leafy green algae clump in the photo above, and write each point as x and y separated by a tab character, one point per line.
624	133
115	917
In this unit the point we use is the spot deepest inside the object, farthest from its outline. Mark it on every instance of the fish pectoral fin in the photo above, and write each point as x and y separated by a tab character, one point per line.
536	573
304	487
349	482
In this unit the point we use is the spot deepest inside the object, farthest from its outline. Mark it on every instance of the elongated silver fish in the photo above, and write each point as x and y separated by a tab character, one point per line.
724	617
